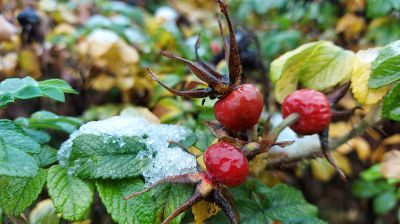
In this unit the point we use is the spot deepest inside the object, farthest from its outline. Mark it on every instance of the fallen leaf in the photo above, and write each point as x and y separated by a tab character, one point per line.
390	167
203	210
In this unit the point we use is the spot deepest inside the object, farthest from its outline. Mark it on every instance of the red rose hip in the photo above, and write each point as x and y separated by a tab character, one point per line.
241	109
226	164
313	108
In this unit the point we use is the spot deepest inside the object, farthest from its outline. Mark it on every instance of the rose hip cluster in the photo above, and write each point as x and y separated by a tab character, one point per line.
238	109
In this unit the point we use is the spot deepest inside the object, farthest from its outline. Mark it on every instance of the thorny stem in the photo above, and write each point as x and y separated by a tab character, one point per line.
255	148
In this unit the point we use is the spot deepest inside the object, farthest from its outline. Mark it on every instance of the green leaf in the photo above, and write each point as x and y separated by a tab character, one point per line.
377	8
28	88
169	197
318	65
112	157
5	99
14	162
140	209
25	88
372	173
286	203
259	204
384	202
53	93
391	104
46	156
58	84
39	136
15	140
369	189
326	66
386	68
48	120
72	196
18	193
1	215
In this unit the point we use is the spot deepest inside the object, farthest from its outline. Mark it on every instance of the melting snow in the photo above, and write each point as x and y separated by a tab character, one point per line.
167	160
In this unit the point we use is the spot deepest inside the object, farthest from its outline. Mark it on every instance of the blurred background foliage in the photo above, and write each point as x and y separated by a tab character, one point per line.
102	48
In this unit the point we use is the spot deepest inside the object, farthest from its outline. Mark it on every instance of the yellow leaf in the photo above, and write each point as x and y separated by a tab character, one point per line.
337	129
128	54
102	42
324	171
355	5
44	212
392	140
29	63
102	82
63	28
8	64
360	76
351	25
391	164
204	210
321	169
360	145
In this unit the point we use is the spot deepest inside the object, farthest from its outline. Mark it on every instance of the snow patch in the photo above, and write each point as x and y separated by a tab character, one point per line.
166	161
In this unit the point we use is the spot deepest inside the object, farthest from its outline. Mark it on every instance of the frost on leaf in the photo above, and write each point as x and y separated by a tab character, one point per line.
117	147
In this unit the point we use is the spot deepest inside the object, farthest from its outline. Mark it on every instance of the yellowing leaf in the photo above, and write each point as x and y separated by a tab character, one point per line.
44	212
324	171
337	129
204	210
8	64
63	28
351	25
355	5
318	65
128	54
29	63
391	164
102	82
360	75
321	169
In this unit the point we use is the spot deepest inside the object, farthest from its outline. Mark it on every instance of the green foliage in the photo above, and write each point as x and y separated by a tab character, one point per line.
107	157
46	156
259	204
385	69
169	197
372	185
48	120
14	162
28	88
72	196
377	8
16	138
391	104
140	209
18	193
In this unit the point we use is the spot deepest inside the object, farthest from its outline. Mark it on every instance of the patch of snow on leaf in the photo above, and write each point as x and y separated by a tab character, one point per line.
167	160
